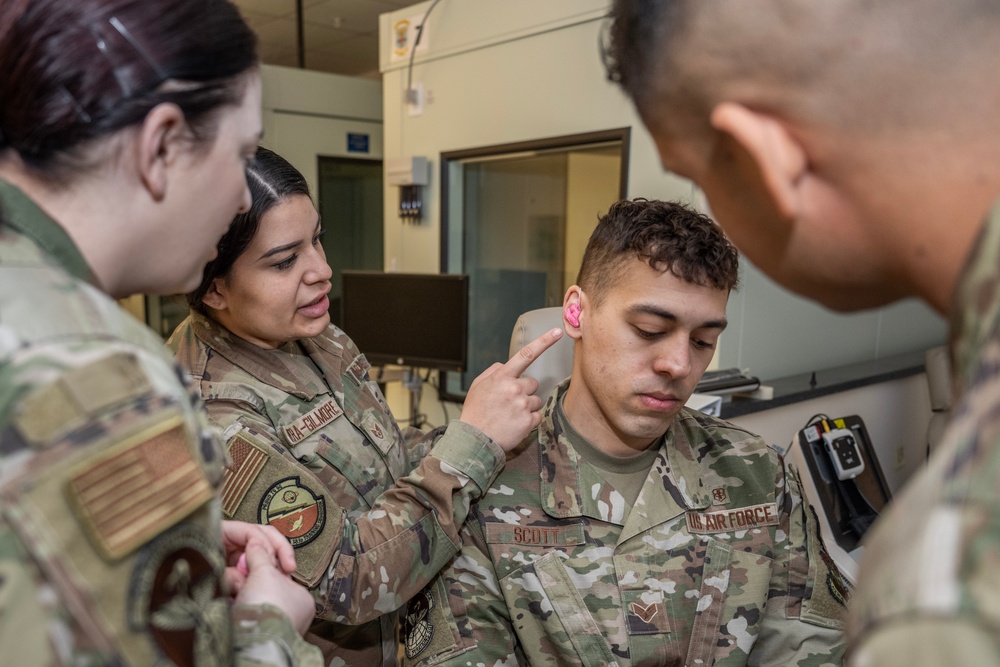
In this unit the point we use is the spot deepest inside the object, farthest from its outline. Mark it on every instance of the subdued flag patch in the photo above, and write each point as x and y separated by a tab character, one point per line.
139	488
248	460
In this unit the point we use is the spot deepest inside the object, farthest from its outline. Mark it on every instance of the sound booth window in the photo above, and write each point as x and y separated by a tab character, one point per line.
516	219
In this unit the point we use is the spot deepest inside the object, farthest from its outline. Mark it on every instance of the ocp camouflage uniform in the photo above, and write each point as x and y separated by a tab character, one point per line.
110	542
929	585
317	454
717	562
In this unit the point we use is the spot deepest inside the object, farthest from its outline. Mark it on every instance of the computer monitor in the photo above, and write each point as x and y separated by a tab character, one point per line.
408	319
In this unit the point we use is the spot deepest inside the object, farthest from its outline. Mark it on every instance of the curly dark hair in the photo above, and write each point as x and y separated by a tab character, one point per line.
668	236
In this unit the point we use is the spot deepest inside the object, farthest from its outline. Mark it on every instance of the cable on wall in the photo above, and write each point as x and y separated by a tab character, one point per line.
411	95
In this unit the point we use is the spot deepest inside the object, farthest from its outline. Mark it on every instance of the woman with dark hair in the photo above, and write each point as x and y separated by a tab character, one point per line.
373	514
125	129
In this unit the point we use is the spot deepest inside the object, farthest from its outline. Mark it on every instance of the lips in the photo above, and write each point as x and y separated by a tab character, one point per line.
660	401
317	307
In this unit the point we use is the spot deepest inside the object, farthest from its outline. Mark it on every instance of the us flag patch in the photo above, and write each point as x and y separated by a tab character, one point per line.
248	461
140	487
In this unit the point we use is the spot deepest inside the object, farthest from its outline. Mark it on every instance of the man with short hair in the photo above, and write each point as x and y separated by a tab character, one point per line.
628	529
850	149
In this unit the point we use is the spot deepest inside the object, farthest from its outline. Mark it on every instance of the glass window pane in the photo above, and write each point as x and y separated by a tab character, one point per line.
518	225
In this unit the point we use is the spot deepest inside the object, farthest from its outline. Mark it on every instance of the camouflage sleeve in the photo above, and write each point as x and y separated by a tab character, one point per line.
419	443
806	608
927	591
263	635
366	565
461	618
920	642
110	545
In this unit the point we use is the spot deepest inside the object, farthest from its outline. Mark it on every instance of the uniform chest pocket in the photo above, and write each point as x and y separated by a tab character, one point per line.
356	459
711	603
547	607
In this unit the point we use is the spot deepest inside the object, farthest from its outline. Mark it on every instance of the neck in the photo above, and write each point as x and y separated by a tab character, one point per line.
935	274
922	197
90	215
933	236
592	423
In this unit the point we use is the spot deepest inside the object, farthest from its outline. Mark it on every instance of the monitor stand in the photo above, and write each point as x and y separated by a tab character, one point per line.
414	384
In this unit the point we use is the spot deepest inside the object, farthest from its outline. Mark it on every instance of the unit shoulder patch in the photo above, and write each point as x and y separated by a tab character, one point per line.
176	594
418	628
294	509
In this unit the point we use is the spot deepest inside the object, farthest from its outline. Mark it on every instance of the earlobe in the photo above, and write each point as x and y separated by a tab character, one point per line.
778	156
158	144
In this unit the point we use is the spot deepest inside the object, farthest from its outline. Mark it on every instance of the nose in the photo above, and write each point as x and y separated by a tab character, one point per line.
673	357
318	270
246	200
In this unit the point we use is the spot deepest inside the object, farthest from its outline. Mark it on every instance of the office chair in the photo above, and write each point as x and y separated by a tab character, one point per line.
556	363
938	366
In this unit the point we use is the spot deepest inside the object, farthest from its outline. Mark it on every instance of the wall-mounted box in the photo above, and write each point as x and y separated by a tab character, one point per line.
407	171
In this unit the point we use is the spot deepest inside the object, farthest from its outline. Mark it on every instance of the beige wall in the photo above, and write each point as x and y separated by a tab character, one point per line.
307	114
521	70
592	186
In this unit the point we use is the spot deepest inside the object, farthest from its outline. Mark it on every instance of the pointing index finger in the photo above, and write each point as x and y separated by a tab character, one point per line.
519	363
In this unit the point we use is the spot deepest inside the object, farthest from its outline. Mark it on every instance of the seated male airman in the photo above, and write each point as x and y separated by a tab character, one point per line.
628	529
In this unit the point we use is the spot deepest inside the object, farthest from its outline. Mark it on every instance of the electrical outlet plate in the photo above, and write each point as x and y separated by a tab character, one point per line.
416	106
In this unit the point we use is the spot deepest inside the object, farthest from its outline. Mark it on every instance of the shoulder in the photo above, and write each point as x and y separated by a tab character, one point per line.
61	331
718	437
190	351
335	342
341	354
42	304
217	377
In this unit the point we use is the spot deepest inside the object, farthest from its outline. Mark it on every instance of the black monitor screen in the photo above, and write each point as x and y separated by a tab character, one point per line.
409	319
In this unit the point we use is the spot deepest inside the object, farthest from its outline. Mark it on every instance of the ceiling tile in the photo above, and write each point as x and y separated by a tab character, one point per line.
318	36
353	57
267	7
351	14
277	31
341	36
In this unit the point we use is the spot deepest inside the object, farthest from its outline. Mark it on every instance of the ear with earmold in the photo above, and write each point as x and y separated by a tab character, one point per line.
573	314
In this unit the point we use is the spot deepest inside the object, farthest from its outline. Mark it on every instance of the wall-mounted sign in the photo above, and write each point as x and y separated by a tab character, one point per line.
404	33
357	142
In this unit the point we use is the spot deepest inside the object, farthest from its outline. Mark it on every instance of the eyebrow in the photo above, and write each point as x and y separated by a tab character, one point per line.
288	246
656	311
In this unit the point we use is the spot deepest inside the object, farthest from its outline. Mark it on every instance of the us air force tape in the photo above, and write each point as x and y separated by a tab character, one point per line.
732	520
268	487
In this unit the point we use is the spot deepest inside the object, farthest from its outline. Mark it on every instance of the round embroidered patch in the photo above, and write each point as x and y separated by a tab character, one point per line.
293	508
175	595
417	627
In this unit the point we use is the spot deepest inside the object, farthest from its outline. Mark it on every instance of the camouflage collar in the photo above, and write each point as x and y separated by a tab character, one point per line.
677	488
975	313
283	368
23	215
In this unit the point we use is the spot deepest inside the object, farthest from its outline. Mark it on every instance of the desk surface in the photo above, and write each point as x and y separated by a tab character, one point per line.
802	387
